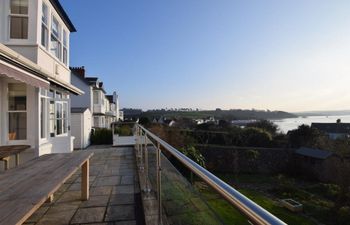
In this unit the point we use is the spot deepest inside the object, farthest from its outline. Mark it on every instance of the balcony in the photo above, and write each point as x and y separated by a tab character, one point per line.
137	181
99	109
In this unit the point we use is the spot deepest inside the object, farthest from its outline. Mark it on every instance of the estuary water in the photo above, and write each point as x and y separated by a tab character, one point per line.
288	124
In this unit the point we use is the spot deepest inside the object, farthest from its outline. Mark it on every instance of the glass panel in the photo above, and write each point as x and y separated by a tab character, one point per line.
17	126
58	95
52	118
64	38
19	27
58	110
181	203
59	126
96	97
65	116
51	94
44	16
56	29
44	35
17	97
43	118
65	56
55	46
19	6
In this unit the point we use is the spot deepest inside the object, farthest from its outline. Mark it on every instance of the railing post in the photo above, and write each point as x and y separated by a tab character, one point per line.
141	152
147	186
159	184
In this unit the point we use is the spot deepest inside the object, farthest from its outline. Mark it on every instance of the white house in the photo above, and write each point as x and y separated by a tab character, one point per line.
35	75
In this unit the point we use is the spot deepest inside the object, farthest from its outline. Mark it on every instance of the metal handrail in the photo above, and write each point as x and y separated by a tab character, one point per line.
253	211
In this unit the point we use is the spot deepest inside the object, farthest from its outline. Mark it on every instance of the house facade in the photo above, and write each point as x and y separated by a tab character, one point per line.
35	78
104	108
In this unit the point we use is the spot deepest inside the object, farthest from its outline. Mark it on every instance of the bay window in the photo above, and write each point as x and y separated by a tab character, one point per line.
17	111
56	38
44	26
19	19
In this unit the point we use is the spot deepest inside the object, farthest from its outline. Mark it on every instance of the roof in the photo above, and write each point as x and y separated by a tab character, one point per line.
313	153
16	59
74	73
78	109
58	7
338	128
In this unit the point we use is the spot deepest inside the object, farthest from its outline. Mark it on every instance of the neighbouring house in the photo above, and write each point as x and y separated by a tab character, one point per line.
104	108
334	130
112	111
35	84
315	163
81	127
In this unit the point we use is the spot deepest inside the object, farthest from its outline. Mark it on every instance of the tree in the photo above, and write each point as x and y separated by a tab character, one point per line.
307	136
265	125
256	137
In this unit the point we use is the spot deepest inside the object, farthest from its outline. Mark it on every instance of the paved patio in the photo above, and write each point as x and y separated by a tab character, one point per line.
114	193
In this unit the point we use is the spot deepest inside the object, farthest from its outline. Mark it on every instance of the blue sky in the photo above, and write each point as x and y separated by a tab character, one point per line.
280	55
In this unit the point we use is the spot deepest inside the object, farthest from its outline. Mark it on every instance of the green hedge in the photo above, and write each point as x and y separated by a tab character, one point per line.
102	136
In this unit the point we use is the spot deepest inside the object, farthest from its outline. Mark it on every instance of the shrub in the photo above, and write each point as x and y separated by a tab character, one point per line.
124	130
194	154
102	136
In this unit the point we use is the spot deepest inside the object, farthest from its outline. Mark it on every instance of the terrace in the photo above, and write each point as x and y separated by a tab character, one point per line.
131	179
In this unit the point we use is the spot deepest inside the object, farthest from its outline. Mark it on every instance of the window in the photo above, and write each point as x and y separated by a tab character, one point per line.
52	118
65	47
96	121
96	97
17	106
56	38
44	26
19	19
61	118
43	117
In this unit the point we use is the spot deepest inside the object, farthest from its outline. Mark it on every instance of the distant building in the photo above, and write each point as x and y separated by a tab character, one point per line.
316	163
334	130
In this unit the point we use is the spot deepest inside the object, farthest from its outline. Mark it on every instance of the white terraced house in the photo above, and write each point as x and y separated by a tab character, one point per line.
35	83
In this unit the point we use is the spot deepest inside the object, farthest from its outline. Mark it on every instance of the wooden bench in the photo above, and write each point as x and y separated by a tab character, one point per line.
7	151
25	188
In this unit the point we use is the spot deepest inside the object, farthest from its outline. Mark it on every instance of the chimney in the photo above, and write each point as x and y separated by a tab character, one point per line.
79	70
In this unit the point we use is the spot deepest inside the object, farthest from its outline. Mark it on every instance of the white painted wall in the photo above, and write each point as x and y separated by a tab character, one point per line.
81	129
84	100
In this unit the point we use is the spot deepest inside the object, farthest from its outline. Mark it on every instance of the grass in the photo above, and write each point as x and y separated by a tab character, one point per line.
228	214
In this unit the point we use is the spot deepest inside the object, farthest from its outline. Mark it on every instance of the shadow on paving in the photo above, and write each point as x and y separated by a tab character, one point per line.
114	193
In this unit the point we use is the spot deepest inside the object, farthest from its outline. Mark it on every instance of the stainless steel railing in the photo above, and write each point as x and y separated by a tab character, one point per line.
255	213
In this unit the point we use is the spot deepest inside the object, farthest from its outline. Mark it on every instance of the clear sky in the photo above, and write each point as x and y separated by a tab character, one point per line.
280	55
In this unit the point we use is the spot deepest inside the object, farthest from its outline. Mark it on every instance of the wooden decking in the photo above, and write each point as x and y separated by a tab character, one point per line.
25	188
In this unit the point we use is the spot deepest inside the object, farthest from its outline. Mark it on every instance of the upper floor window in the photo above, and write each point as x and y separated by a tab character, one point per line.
96	97
45	26
19	19
56	38
65	47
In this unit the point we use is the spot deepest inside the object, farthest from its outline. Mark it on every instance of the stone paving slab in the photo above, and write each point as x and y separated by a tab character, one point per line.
114	193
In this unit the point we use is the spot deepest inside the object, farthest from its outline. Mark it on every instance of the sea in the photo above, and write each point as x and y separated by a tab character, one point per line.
288	124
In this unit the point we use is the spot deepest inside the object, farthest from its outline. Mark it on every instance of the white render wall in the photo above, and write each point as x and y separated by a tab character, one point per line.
82	101
81	129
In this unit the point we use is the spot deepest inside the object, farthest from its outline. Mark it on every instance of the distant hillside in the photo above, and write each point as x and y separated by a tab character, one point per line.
236	114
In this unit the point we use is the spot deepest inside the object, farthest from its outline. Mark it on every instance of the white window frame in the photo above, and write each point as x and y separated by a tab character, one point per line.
16	111
18	15
57	37
45	26
65	47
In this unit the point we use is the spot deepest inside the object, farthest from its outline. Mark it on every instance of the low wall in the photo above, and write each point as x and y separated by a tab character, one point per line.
247	159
